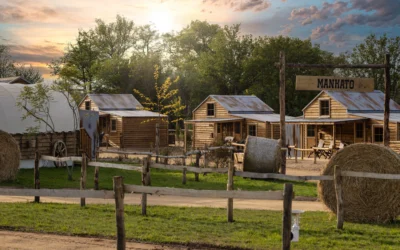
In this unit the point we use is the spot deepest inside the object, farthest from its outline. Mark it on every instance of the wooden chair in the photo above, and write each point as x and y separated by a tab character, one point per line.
329	152
317	152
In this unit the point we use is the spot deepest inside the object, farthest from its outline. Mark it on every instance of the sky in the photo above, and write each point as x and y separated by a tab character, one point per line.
38	31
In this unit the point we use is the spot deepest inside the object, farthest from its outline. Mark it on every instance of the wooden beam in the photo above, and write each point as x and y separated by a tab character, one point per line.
257	195
287	216
118	183
334	135
283	176
365	131
60	159
36	175
337	66
229	187
339	197
386	131
114	165
67	193
282	103
83	177
371	175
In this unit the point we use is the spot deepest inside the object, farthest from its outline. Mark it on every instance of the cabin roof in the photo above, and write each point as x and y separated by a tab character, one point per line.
10	114
359	102
134	113
215	120
394	117
240	104
264	117
14	79
115	101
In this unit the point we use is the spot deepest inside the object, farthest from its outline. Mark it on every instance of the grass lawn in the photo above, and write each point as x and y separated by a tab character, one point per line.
203	226
57	178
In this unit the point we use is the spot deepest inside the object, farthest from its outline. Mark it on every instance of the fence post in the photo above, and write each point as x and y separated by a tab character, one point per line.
96	178
144	183
184	171
157	141
287	216
36	175
83	177
205	156
148	175
196	175
339	198
119	211
315	156
295	155
229	187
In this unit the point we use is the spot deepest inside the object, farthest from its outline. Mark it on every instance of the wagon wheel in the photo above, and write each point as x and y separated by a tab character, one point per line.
59	150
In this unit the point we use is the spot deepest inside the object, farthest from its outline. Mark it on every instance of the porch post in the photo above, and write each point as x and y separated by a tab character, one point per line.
334	135
354	132
184	139
365	131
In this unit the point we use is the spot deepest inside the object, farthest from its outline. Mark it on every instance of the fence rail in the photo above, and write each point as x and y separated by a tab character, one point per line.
257	195
66	193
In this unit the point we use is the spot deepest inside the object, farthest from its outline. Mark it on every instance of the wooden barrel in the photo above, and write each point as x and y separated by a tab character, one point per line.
262	155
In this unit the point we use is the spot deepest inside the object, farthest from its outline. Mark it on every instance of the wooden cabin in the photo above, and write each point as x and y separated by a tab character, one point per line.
348	117
44	140
222	116
124	121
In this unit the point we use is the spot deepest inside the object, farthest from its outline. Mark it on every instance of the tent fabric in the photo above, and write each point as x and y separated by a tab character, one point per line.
11	116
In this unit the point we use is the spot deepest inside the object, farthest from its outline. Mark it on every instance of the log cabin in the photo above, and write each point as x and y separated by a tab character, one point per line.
348	117
222	116
125	122
43	140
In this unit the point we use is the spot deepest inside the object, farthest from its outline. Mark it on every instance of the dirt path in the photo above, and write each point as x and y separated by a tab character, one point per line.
22	241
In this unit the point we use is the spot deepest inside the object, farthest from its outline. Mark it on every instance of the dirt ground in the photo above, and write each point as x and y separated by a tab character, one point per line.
33	241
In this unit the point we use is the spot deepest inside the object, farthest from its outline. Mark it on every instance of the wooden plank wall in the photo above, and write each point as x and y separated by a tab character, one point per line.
337	109
202	134
93	105
220	112
114	138
140	132
45	143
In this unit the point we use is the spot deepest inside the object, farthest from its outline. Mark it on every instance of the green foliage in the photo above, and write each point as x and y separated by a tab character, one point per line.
372	51
35	101
9	68
164	102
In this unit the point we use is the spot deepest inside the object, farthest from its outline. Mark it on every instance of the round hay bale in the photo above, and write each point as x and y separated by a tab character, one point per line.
365	199
9	157
262	155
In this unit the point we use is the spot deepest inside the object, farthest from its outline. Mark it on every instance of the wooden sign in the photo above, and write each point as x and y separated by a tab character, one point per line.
334	83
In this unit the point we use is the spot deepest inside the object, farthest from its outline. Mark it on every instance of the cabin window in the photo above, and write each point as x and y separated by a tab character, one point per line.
237	127
87	105
310	131
210	109
324	107
359	130
253	130
378	134
113	125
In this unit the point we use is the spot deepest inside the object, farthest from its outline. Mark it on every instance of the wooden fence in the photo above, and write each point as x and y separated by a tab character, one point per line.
229	194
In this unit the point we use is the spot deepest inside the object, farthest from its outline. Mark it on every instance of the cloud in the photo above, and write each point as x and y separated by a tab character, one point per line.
239	5
36	53
374	13
286	29
308	15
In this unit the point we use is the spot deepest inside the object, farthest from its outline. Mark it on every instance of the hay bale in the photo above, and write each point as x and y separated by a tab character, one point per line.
262	155
9	157
365	199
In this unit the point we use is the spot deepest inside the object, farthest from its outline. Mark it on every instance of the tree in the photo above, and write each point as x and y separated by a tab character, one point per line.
6	62
372	51
164	103
28	73
262	76
9	68
114	39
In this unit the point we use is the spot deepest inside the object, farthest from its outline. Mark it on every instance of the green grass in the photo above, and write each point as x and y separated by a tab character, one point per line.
56	178
204	226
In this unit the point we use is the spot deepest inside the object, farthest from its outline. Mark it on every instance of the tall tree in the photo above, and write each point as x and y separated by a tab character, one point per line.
116	38
29	73
262	77
372	51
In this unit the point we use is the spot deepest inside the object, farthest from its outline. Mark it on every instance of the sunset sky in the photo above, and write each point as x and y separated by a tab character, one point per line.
38	31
